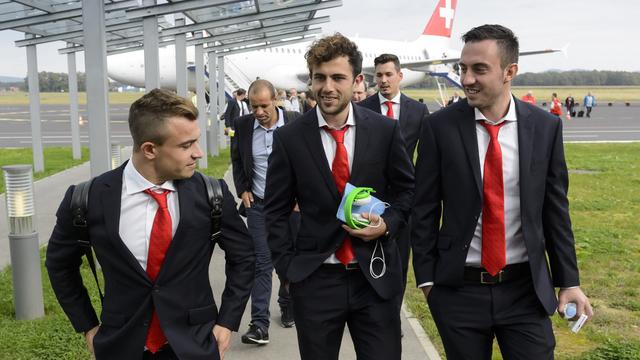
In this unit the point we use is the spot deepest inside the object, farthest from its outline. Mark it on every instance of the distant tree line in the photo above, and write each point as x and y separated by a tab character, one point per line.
565	78
56	82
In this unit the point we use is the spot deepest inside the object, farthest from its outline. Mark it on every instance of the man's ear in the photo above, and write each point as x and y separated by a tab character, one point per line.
512	71
359	78
149	150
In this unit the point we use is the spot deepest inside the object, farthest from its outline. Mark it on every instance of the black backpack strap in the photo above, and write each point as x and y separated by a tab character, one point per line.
215	196
79	207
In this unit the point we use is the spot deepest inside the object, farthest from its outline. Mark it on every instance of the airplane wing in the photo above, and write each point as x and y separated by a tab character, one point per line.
425	64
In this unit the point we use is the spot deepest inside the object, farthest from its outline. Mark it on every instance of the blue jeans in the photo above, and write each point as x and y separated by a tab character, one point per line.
261	291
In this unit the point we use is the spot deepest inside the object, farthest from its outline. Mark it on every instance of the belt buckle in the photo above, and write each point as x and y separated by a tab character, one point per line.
488	279
351	266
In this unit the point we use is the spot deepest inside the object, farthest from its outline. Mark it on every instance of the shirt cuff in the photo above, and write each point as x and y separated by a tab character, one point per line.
569	287
429	283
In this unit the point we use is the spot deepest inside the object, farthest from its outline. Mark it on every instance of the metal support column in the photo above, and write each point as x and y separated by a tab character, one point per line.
221	95
151	48
221	86
95	57
34	106
201	101
74	119
213	107
181	59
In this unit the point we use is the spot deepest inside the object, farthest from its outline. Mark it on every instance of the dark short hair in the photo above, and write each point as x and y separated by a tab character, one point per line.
240	92
261	84
331	47
505	38
148	114
385	58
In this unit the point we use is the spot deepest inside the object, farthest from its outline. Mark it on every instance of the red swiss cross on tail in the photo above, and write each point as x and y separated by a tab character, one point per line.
441	21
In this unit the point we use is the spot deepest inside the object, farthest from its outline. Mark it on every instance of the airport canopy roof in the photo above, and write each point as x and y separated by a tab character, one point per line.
228	25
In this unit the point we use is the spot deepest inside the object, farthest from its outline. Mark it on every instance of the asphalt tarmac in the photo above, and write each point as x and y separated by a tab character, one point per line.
607	124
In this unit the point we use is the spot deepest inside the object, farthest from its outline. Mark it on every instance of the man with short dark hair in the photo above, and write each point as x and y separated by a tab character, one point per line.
250	150
392	103
149	223
235	108
334	277
491	232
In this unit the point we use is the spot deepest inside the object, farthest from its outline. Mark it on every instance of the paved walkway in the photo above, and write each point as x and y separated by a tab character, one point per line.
283	345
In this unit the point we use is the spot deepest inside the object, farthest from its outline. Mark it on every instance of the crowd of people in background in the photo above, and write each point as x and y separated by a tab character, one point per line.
570	105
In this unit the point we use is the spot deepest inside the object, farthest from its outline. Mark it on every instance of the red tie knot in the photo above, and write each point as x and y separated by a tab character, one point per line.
338	135
159	197
493	129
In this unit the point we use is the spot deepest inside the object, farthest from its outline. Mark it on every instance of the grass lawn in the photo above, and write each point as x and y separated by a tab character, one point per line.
52	337
616	94
605	208
47	98
56	160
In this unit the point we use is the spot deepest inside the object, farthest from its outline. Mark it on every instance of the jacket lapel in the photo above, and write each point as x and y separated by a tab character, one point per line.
526	129
405	110
361	141
248	163
467	126
110	197
312	138
186	191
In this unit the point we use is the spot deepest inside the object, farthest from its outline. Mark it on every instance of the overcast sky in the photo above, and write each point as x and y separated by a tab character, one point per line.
602	34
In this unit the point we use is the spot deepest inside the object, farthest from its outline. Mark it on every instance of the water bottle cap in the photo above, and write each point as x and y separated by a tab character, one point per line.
570	311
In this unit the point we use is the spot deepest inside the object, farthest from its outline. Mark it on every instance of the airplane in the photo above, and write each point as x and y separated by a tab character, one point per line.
428	55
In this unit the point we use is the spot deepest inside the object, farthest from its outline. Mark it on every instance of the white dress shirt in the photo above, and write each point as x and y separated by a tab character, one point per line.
329	145
508	139
138	209
395	106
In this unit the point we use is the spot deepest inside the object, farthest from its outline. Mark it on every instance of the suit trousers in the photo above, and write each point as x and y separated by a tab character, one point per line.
468	318
332	297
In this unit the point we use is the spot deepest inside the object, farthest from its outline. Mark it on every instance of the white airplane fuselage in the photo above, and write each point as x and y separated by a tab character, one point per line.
284	66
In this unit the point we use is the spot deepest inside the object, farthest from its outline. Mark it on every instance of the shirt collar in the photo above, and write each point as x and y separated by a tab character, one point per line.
350	119
136	183
279	123
510	116
395	100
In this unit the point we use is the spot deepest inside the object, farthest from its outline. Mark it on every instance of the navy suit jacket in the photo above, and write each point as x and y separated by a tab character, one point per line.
181	294
448	199
299	170
412	113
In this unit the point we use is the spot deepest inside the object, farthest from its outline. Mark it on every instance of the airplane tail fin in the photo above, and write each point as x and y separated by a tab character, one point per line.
441	21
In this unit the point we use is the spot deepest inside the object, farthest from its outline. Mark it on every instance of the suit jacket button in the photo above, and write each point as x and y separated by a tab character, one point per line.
465	247
145	324
156	289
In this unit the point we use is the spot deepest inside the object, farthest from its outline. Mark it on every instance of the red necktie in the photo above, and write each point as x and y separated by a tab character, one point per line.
390	109
158	244
494	256
340	172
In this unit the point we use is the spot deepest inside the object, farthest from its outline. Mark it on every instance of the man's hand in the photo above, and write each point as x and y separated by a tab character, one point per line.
88	337
377	227
426	290
223	338
247	199
576	296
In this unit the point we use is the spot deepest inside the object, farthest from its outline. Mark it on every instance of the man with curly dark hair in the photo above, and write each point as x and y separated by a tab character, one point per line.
339	276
